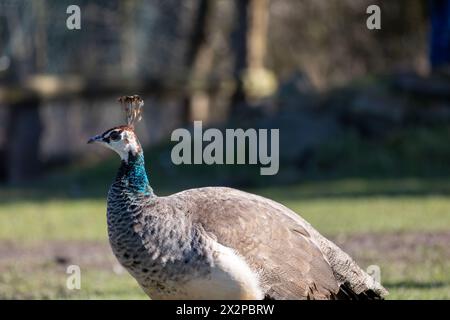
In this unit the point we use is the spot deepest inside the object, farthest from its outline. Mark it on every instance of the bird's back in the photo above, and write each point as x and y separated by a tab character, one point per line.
292	259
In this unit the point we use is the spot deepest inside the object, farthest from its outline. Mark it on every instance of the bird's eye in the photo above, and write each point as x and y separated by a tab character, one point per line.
114	136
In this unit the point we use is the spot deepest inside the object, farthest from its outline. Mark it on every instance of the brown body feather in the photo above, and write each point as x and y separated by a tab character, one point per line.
293	260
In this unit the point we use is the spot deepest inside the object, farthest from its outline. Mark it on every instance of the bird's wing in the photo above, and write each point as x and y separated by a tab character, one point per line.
277	246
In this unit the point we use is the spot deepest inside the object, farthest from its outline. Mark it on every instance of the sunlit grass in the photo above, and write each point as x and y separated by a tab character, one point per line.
379	214
86	219
51	284
428	279
31	221
339	207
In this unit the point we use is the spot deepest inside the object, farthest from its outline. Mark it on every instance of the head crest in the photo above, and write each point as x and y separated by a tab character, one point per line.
133	108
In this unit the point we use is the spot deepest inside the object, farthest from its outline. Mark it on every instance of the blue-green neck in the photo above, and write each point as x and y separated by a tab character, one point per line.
133	175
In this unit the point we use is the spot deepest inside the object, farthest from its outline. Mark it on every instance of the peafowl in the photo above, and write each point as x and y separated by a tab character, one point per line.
218	242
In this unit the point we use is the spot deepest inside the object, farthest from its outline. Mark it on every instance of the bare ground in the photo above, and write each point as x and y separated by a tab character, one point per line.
89	254
409	247
405	247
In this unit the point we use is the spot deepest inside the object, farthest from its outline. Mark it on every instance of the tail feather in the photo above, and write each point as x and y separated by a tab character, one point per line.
346	293
354	282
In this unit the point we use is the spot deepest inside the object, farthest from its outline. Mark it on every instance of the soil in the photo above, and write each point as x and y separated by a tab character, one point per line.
408	247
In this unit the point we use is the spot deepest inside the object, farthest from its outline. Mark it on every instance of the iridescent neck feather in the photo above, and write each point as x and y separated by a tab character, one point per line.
133	175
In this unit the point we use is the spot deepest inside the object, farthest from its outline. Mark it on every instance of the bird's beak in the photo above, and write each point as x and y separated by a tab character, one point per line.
96	138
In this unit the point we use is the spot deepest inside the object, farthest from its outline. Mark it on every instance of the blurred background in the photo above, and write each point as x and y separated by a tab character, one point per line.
364	119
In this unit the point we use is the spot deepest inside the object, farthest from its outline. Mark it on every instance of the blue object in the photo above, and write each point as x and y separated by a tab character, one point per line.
440	33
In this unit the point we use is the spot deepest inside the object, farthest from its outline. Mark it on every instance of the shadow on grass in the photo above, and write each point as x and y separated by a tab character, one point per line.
87	188
416	285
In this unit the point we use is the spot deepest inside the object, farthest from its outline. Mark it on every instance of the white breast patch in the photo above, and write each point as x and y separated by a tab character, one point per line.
230	278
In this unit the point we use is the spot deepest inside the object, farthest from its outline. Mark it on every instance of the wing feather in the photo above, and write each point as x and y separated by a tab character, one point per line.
276	245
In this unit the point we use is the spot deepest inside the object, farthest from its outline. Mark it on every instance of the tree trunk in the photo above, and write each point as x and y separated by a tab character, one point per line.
22	147
258	16
128	38
249	44
199	61
239	45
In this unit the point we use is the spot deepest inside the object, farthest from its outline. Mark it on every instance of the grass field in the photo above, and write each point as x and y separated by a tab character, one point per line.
402	225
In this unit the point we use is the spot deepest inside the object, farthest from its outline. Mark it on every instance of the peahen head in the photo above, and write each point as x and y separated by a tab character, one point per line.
121	139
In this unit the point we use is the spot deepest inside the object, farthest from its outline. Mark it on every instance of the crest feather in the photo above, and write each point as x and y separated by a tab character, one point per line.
133	108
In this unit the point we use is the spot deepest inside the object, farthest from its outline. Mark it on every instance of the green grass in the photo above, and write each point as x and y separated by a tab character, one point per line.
420	281
66	219
30	221
337	208
379	214
48	283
